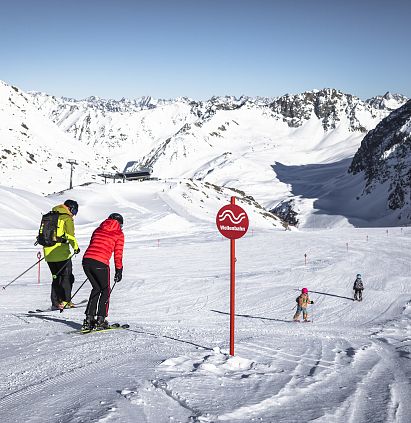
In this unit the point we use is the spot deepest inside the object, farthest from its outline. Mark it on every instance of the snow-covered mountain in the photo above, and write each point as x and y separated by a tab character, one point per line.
226	141
332	107
384	158
34	150
245	126
387	101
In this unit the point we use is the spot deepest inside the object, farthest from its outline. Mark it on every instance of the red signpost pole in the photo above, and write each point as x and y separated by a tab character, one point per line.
232	222
232	289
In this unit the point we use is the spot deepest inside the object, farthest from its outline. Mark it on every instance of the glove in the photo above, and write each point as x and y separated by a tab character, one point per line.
118	275
77	251
312	302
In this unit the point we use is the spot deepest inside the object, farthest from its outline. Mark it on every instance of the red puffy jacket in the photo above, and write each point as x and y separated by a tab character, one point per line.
108	237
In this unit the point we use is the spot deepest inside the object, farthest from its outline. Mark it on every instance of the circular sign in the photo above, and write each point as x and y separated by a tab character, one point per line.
232	221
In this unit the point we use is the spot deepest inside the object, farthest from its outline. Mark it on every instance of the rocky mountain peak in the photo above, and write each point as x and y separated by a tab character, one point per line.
329	105
388	101
385	157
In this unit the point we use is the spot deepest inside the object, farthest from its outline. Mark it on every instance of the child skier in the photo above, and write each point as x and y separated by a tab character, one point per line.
302	302
358	288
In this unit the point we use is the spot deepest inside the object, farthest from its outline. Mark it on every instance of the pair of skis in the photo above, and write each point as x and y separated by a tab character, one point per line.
48	310
112	326
38	310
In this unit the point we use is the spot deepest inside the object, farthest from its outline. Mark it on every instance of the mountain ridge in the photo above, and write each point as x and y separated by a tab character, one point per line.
226	141
384	157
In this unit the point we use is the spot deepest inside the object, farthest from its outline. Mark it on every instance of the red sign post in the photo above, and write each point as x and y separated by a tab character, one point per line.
232	222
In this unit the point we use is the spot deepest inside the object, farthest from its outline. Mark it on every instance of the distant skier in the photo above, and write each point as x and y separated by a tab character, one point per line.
105	240
302	303
358	288
58	256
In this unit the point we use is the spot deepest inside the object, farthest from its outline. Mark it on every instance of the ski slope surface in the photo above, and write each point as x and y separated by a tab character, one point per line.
351	363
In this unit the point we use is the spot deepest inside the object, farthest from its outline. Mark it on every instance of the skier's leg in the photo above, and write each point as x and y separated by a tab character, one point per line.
72	280
297	313
104	281
89	270
66	276
56	292
305	314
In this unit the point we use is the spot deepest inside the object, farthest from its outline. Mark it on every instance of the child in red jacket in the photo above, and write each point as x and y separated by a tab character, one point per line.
106	239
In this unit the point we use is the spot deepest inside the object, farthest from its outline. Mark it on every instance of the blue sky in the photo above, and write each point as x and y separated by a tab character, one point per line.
170	48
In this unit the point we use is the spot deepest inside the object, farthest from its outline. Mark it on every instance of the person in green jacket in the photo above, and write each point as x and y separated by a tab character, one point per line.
58	257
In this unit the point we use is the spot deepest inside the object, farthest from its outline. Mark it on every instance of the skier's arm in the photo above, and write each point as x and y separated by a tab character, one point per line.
118	252
69	233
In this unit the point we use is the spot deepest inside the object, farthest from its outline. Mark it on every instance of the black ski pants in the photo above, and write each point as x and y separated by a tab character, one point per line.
98	274
358	294
63	280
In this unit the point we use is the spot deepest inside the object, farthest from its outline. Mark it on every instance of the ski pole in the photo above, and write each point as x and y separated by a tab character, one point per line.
19	276
312	313
65	305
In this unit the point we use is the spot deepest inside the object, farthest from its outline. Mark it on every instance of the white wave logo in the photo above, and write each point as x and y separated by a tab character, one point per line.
235	220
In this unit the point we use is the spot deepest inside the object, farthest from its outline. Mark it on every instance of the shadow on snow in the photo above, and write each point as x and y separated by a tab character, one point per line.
141	331
333	189
73	325
252	317
332	295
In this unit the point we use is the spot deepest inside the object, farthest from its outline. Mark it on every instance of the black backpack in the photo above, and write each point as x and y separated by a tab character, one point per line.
358	284
47	236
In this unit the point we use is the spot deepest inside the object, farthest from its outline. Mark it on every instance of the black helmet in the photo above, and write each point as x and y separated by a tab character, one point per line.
72	206
118	217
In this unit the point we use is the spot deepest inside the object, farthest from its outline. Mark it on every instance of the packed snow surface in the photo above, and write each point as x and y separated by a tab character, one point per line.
351	363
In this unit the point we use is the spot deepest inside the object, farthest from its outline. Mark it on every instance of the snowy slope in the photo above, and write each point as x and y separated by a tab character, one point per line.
351	364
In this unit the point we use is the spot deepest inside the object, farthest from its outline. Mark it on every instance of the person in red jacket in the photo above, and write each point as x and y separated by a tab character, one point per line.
105	240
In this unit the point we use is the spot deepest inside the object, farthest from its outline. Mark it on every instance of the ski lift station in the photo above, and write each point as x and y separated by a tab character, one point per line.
133	171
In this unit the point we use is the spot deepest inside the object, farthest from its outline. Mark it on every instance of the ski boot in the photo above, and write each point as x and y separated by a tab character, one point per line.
88	323
58	306
102	323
